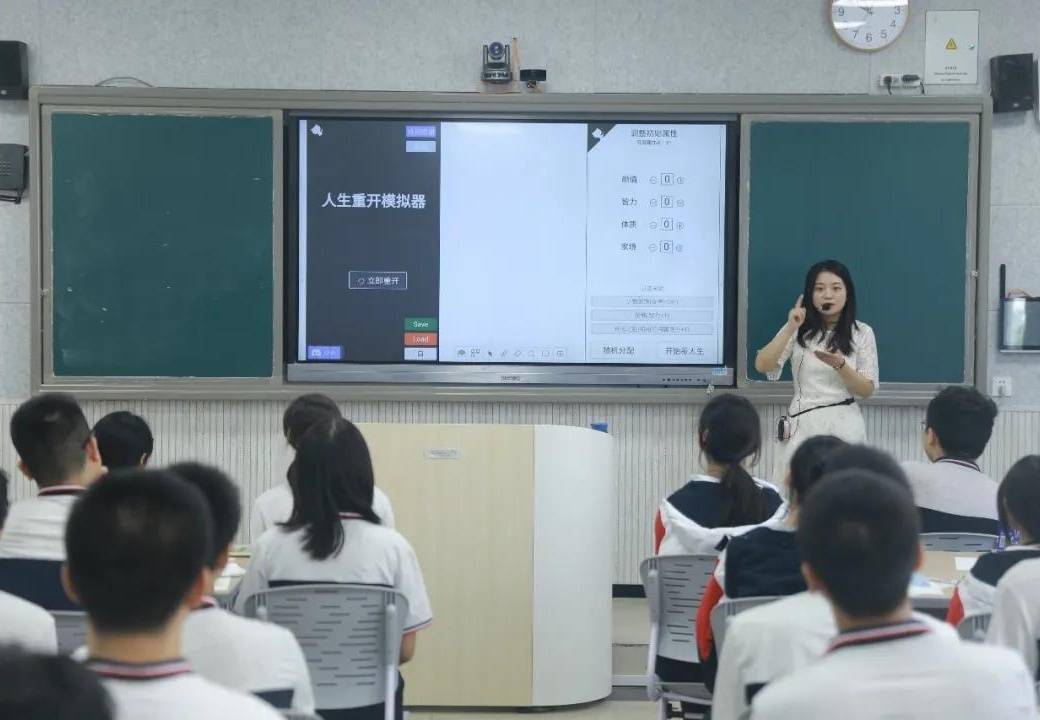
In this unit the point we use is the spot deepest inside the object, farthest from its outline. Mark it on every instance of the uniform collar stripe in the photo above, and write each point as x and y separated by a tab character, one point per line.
61	490
139	671
350	516
962	463
880	634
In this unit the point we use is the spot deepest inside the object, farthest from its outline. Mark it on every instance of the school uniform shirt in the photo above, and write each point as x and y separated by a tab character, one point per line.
913	669
763	561
688	521
26	625
275	506
817	384
1016	614
954	496
35	527
974	594
370	555
171	691
246	655
766	643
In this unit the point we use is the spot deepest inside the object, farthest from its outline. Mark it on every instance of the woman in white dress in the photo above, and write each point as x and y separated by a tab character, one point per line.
833	361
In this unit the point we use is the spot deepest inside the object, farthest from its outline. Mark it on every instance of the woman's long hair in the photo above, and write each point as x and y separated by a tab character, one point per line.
332	474
730	433
841	340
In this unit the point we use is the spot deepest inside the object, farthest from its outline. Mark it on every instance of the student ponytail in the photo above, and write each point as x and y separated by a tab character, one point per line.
730	433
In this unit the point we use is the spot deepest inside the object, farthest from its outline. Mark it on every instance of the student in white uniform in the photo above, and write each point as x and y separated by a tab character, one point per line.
237	652
952	493
275	505
334	535
124	440
49	687
1016	614
26	625
859	540
765	643
724	500
833	358
137	545
56	451
1018	498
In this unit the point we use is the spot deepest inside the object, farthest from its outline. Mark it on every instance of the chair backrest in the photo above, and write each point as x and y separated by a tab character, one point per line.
959	542
973	627
350	635
38	581
674	585
71	627
721	613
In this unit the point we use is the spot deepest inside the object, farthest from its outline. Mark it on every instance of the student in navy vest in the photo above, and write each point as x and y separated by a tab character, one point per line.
952	493
1018	499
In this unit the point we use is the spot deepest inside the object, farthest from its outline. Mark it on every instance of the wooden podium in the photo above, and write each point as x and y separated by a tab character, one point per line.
513	526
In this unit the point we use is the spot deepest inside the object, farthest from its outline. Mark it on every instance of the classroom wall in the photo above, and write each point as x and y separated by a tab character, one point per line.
711	46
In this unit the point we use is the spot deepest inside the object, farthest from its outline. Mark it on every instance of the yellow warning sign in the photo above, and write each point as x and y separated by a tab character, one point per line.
952	45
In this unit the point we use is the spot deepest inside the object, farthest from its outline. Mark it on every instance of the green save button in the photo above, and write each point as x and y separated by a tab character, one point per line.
418	324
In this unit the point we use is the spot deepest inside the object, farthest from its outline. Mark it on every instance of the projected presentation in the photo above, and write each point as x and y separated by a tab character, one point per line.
511	243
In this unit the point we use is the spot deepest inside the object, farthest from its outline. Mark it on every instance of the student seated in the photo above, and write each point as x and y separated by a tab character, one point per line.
275	505
335	536
49	687
725	500
124	440
1018	501
952	493
234	651
1016	614
137	544
765	560
56	451
859	540
767	642
5	503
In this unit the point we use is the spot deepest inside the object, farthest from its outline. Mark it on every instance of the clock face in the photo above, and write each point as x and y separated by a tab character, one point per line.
869	24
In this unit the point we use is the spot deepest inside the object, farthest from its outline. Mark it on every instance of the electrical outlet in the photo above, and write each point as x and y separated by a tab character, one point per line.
898	81
1001	387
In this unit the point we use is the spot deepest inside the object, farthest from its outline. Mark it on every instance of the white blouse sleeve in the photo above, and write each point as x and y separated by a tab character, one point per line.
408	581
866	354
774	375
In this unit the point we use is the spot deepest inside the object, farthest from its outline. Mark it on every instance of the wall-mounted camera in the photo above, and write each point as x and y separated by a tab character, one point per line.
497	67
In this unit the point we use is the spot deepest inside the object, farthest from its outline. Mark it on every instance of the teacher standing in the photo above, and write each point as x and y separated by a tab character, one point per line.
833	361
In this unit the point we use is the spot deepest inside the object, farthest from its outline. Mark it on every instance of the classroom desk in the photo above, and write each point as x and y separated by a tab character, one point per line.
942	571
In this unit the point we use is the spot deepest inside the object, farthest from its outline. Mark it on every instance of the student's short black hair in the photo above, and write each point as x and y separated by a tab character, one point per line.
304	413
1019	496
50	434
807	464
858	531
221	497
864	457
136	540
123	439
5	503
962	418
49	687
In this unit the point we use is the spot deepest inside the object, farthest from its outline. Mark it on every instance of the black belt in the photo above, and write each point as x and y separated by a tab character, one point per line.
846	401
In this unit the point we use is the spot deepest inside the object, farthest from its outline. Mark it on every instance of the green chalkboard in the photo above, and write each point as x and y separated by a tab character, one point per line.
161	242
890	199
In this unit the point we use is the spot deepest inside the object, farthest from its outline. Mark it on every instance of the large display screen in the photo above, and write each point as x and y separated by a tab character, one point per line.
435	250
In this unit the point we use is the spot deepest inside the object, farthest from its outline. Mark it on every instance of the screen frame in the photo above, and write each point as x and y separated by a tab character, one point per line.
569	374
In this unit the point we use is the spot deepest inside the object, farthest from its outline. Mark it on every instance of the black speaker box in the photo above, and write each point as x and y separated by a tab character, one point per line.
1013	82
14	70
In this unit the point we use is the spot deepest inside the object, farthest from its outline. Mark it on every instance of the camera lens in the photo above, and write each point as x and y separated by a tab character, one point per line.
496	51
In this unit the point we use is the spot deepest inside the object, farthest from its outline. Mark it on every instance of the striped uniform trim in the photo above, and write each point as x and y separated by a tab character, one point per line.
962	463
884	633
139	671
61	490
350	516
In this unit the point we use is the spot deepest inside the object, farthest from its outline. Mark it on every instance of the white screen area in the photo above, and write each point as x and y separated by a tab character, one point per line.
555	251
